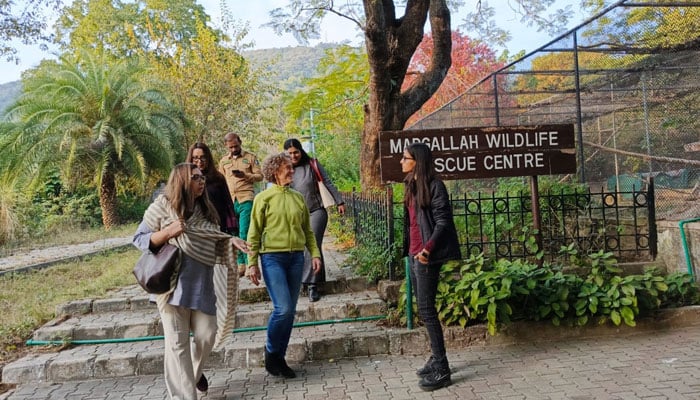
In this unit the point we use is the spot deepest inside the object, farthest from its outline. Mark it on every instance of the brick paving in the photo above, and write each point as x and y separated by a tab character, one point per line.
661	361
660	365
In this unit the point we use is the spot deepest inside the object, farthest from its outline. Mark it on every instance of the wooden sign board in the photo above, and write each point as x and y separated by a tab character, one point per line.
469	153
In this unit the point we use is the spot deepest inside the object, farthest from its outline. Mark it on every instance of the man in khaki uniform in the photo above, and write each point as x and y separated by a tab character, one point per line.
241	170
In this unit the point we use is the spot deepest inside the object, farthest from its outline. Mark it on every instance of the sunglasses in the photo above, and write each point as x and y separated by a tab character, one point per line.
198	177
198	158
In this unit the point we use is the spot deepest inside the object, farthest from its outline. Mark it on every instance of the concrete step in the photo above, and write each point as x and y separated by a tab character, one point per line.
325	340
133	298
111	320
243	350
334	327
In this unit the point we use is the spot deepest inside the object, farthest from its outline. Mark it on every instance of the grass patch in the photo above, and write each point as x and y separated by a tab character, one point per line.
69	235
29	300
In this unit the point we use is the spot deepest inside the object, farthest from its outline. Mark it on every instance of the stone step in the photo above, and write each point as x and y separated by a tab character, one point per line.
243	350
107	321
134	298
322	341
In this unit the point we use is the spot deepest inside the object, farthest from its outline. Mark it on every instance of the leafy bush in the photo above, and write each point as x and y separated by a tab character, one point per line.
372	261
478	292
131	208
78	208
682	291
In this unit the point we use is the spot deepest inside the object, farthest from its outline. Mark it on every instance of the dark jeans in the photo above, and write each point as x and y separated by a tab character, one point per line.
424	280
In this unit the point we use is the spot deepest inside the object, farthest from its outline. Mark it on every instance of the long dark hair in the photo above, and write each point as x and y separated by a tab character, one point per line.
177	191
417	182
293	142
212	174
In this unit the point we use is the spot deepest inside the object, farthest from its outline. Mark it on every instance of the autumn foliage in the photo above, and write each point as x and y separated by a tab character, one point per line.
471	61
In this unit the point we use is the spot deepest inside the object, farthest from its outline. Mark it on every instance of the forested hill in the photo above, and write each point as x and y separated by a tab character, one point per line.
289	65
9	92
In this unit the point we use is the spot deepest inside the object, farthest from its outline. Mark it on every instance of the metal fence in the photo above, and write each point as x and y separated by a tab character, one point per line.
628	80
499	226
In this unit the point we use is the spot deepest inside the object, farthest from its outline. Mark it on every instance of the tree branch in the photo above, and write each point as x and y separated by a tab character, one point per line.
643	156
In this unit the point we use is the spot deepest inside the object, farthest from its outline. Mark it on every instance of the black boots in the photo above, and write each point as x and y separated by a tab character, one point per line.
427	368
203	384
277	365
313	293
435	374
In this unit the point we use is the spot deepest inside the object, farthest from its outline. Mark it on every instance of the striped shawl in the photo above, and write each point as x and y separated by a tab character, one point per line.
203	241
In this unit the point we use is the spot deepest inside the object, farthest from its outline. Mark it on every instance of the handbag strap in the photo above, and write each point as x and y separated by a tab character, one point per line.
317	172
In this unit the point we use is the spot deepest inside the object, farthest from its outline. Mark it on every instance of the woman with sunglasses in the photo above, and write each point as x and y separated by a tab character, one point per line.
200	155
183	216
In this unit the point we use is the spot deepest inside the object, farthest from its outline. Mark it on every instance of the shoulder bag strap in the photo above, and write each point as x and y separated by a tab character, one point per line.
314	166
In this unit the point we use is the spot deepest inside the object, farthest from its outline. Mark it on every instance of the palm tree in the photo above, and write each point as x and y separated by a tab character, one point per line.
92	121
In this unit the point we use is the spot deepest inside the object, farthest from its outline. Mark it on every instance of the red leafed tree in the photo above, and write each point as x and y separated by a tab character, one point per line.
471	61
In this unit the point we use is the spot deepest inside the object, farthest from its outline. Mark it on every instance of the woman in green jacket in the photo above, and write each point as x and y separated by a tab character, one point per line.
280	229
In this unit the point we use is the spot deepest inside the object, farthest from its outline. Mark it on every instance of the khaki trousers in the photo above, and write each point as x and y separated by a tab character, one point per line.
184	357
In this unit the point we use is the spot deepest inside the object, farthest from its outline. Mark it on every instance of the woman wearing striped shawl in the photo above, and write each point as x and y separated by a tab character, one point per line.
202	301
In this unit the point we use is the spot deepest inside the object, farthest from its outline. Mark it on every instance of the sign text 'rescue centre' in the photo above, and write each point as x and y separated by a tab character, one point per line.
467	153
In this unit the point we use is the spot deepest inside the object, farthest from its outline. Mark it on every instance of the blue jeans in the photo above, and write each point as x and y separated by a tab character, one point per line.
424	279
282	273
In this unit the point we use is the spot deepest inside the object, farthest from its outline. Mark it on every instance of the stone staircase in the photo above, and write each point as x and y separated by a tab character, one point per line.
122	335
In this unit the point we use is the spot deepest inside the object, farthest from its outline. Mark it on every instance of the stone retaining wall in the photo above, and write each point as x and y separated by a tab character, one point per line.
671	248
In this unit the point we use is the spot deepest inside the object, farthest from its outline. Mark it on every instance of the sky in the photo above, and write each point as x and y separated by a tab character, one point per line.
334	30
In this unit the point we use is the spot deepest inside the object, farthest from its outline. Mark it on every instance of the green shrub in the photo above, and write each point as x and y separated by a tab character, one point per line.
682	291
131	208
477	291
373	261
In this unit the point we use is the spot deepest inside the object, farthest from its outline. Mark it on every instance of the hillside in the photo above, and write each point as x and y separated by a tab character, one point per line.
8	93
289	65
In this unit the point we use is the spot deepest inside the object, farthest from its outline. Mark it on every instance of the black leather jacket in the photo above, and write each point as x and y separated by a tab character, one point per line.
437	224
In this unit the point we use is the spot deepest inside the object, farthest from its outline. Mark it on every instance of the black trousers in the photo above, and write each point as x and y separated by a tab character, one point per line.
319	220
424	279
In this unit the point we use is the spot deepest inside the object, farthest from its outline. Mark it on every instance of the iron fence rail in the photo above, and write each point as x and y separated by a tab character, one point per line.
499	226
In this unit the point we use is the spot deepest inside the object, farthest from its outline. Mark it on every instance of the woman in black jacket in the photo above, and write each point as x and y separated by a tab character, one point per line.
430	239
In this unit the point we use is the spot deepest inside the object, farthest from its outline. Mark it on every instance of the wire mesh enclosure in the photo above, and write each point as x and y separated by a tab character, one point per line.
628	80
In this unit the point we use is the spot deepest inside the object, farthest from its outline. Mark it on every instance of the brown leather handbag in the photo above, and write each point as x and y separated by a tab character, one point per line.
157	272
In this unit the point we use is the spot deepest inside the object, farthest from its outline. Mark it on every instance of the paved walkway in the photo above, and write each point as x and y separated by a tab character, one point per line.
41	258
643	366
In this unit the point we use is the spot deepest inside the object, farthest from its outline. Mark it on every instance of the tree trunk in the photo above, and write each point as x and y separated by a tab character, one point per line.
108	201
391	42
